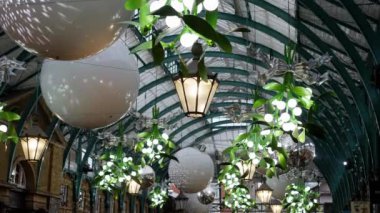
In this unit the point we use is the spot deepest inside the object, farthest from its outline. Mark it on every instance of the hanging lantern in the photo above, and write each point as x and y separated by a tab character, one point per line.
264	193
181	201
247	169
195	94
133	187
34	142
276	206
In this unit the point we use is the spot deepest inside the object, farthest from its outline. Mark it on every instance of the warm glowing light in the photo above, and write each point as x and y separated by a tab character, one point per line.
194	94
34	144
133	187
264	193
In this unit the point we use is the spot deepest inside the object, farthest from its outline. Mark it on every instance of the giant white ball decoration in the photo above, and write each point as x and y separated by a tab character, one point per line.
194	206
279	185
193	172
63	29
93	92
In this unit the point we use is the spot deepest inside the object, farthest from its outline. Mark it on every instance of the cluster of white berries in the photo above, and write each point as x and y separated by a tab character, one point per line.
187	39
158	198
239	199
288	113
230	180
154	147
113	173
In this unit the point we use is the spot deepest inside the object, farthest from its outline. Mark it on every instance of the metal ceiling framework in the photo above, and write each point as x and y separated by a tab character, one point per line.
351	120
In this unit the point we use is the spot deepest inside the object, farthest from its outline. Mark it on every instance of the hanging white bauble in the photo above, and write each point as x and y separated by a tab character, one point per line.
194	206
148	177
193	172
93	92
279	185
63	29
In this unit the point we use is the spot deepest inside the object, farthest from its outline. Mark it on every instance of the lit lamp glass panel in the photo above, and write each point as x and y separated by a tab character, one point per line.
34	143
264	193
247	169
133	187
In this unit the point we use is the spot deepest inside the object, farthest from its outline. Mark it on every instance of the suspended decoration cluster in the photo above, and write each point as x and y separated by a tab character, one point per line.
271	118
158	196
299	198
7	130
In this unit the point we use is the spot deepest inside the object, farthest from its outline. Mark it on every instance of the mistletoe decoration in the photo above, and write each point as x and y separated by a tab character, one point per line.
239	199
7	130
158	197
183	14
118	170
154	145
299	198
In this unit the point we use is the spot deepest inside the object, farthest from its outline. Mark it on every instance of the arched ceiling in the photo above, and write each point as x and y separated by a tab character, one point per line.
350	119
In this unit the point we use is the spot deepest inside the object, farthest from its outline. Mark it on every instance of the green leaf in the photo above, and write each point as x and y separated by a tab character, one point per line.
203	28
158	54
133	4
171	145
143	46
306	103
241	29
134	23
223	43
143	134
270	173
145	18
9	116
171	157
302	136
301	91
273	86
259	102
281	160
166	11
183	67
241	137
212	18
202	70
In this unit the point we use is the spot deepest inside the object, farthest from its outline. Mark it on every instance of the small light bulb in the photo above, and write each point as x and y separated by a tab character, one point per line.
178	6
292	103
3	128
285	117
188	39
345	163
297	111
172	21
268	118
211	5
281	105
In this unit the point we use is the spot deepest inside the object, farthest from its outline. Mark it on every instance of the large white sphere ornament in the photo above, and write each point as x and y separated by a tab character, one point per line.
194	206
93	92
63	29
194	171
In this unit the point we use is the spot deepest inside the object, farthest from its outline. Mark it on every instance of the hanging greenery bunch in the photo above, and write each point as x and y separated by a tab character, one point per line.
183	14
239	199
158	196
229	176
117	170
7	130
299	198
154	145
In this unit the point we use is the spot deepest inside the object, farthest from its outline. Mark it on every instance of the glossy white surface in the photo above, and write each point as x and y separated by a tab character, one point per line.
63	29
193	172
93	92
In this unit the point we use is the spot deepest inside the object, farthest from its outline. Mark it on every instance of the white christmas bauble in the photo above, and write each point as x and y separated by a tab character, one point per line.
194	206
63	29
93	92
194	171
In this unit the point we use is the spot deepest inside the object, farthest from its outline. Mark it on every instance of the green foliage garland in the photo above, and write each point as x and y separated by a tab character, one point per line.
300	199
